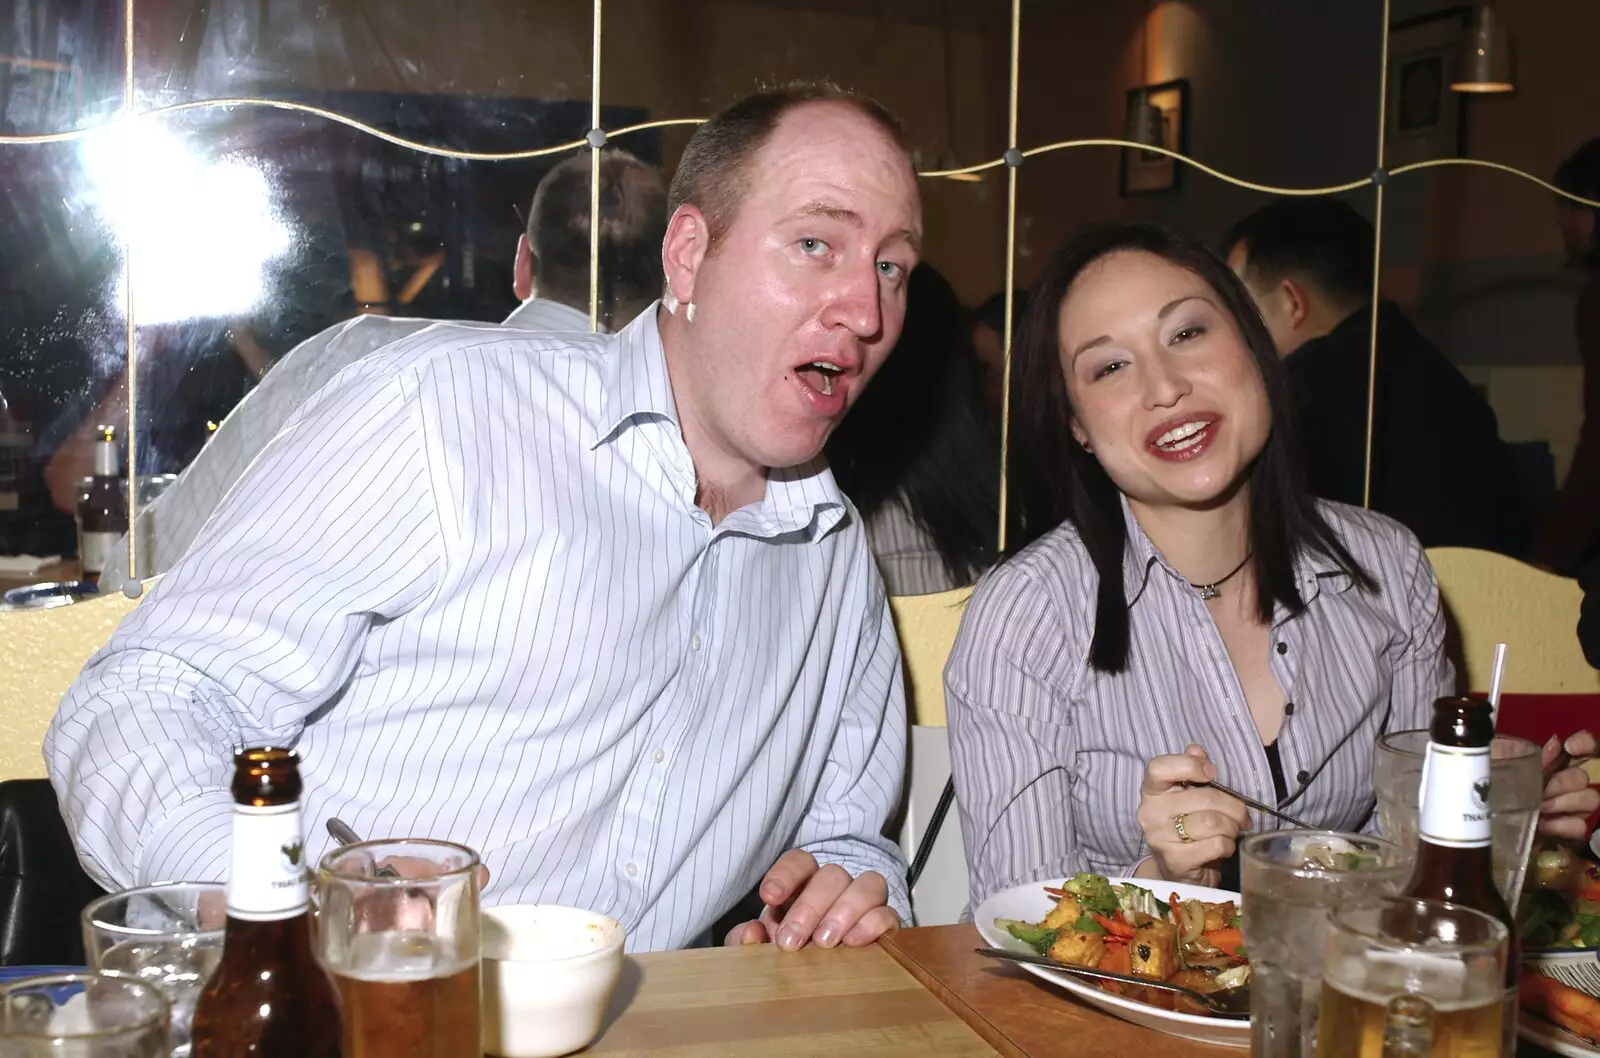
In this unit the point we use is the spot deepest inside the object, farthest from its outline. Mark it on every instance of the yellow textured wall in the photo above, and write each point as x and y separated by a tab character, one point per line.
1492	599
927	626
41	653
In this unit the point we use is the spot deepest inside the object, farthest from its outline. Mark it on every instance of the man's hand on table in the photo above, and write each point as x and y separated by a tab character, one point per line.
817	905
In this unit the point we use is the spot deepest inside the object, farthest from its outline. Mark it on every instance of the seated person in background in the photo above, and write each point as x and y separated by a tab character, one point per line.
591	605
1438	466
1589	613
552	279
919	455
1570	534
1180	608
989	340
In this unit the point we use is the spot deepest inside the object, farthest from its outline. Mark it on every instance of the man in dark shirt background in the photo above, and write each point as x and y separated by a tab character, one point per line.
1439	466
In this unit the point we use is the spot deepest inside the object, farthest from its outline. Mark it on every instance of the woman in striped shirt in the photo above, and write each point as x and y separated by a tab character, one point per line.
1180	608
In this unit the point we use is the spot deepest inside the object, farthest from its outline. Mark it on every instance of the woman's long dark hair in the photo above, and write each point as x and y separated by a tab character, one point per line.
921	432
1056	481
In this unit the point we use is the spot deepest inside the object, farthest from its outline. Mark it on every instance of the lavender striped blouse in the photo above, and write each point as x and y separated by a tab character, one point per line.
1048	753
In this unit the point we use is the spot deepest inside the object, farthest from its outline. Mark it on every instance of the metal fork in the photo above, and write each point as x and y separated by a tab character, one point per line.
1259	806
1228	1003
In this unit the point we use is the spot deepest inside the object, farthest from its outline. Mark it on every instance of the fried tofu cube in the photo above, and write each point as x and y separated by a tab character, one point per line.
1220	916
1078	947
1153	952
1064	914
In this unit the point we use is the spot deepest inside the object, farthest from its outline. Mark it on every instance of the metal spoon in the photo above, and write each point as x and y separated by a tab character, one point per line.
345	836
1227	1003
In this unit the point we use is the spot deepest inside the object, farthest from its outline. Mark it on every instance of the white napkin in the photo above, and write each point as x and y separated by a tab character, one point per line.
25	565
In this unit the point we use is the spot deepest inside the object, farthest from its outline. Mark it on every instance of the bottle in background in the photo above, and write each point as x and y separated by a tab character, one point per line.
16	441
269	997
1455	861
103	511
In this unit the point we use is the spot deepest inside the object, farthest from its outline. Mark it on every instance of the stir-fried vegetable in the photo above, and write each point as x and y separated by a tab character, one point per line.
1562	908
1125	929
1093	891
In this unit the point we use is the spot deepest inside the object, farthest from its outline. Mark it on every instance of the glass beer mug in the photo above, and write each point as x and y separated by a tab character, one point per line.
1410	978
398	934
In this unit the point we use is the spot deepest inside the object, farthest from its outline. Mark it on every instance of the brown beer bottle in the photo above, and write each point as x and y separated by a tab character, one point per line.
1455	847
103	511
269	997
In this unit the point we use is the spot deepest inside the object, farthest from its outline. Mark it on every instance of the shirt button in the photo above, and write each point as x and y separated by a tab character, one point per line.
1303	777
659	755
694	641
1283	648
1288	708
630	869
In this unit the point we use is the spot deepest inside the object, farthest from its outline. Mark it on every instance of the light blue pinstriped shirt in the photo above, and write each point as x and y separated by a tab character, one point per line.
470	582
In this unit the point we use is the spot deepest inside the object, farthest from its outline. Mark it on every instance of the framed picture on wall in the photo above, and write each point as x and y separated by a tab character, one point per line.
1166	110
1425	118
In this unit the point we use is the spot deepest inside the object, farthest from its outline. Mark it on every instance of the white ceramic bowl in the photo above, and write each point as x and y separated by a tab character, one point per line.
1030	903
548	974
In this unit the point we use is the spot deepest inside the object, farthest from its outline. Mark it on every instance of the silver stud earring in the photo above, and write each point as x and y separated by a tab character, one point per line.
669	301
688	313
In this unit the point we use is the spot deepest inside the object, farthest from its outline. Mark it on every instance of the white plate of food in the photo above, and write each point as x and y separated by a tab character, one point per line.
1554	1038
1559	919
1137	924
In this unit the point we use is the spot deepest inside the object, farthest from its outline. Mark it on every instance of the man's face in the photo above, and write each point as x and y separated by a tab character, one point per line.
803	297
1577	228
1276	304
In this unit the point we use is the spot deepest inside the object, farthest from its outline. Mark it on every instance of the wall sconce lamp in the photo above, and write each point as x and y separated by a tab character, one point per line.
1485	66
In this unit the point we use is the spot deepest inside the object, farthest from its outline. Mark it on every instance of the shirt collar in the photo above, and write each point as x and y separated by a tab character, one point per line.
546	315
634	381
1141	557
636	388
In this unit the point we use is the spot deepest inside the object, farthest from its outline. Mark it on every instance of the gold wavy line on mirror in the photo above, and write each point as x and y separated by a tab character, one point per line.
1433	163
1331	189
995	163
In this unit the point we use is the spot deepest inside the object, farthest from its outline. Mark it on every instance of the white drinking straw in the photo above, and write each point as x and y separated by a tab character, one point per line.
1494	681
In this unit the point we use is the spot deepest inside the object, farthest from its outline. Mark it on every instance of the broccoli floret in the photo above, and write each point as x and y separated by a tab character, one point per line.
1093	891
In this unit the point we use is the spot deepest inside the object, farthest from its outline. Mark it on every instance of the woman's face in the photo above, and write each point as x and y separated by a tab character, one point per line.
1165	391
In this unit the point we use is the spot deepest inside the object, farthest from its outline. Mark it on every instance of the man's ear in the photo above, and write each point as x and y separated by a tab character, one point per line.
522	269
1296	303
687	241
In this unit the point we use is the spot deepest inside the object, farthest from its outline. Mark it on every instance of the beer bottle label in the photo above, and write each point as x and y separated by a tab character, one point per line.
94	551
267	878
1454	810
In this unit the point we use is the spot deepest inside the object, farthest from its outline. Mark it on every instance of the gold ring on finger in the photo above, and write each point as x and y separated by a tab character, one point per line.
1178	825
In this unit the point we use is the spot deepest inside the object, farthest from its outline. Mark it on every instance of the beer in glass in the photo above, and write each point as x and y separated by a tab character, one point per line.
400	938
1407	978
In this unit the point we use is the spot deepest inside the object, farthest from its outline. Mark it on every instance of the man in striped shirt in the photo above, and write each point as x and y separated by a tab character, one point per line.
551	280
592	606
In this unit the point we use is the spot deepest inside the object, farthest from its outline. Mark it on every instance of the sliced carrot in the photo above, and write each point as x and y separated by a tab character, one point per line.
1113	926
1229	940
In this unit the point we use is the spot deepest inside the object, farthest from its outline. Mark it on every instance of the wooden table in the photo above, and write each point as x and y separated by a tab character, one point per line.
1023	1017
757	1000
917	992
1018	1014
